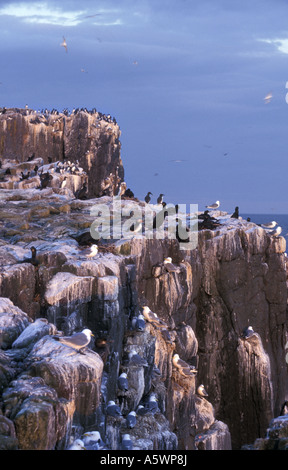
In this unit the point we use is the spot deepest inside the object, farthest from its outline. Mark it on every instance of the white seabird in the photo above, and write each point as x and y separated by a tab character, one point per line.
153	318
131	420
182	366
142	410
214	206
169	266
201	391
276	232
78	444
269	224
248	332
64	44
126	442
93	251
152	404
123	382
76	341
92	440
112	409
139	323
135	359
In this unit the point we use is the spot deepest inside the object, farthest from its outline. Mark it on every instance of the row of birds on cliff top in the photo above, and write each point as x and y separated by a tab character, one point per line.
45	112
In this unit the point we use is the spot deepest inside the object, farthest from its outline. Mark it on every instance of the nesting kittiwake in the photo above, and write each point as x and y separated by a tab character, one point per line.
139	323
112	409
275	232
153	318
182	366
136	360
123	382
214	206
269	224
142	410
126	442
78	444
201	391
131	420
152	404
92	440
77	341
248	332
169	266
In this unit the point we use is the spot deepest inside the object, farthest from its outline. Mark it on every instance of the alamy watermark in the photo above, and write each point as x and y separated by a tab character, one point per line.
119	220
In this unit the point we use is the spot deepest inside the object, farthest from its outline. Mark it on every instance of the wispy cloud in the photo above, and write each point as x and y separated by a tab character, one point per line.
43	13
281	44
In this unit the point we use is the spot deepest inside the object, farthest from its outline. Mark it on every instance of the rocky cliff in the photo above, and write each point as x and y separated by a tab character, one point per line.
233	278
89	137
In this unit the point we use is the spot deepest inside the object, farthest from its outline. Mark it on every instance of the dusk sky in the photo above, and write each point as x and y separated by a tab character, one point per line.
185	79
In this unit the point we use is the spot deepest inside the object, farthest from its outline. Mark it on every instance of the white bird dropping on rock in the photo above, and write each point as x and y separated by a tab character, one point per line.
201	391
113	409
77	341
214	206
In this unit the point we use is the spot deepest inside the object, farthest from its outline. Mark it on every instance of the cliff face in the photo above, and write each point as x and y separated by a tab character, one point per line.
234	277
92	138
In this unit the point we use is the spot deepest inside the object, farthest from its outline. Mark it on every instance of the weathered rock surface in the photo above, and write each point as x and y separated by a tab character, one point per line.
90	137
235	277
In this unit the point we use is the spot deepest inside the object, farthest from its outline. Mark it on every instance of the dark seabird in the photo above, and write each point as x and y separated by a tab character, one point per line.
127	444
123	382
33	260
182	366
25	176
214	206
8	171
78	341
160	198
129	193
147	197
182	232
112	409
235	214
131	420
82	192
248	332
201	391
84	239
284	409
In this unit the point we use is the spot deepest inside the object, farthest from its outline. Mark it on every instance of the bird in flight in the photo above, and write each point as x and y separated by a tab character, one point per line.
64	44
268	98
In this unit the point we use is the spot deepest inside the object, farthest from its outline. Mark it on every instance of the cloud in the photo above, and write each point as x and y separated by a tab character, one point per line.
44	13
281	44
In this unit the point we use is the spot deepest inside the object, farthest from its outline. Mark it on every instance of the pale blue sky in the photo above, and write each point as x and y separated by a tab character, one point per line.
185	79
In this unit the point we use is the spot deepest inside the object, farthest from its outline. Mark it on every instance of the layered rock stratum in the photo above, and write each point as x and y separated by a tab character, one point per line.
235	276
